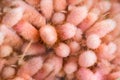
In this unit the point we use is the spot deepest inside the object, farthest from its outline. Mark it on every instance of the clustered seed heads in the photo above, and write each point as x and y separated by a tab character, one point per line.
59	39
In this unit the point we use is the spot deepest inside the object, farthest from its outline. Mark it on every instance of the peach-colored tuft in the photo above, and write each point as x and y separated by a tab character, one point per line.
62	50
85	74
93	41
77	15
31	67
58	18
46	8
60	5
10	19
66	31
101	28
27	31
48	34
87	59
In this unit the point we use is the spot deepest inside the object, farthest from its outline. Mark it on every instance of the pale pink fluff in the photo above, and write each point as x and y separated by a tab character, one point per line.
112	48
93	41
107	51
77	15
104	6
116	31
38	20
101	28
46	7
71	66
5	51
99	76
60	5
30	67
88	21
74	46
71	7
52	65
104	67
58	18
48	34
58	63
10	19
85	74
90	3
11	38
27	31
78	35
66	31
62	50
2	37
87	59
117	42
8	72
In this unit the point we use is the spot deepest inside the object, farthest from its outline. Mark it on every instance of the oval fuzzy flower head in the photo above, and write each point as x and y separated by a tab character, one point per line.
59	39
66	31
102	28
77	15
62	50
13	16
87	59
48	34
93	41
27	31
